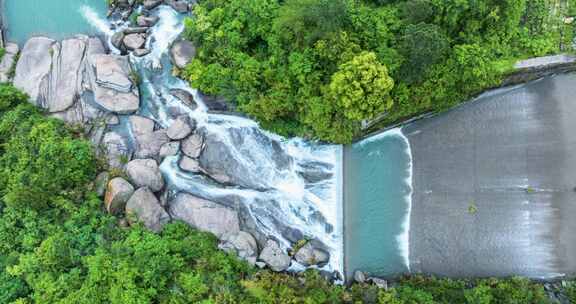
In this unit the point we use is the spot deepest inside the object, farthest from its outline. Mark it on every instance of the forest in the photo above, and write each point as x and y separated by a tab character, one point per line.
320	68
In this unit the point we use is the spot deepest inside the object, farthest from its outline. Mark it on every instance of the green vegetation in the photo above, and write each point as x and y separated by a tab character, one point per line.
2	53
57	245
318	68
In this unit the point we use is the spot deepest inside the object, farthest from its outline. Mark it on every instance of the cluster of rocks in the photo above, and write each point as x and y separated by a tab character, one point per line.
361	277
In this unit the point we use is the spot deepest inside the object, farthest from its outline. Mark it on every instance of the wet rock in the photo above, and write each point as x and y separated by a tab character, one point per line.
185	97
118	42
134	41
274	256
182	52
204	215
308	256
151	4
146	21
180	6
359	276
145	173
148	145
8	61
34	66
216	104
115	90
141	125
241	244
101	183
380	283
135	30
116	150
181	128
169	149
112	120
189	164
144	206
118	193
141	52
192	146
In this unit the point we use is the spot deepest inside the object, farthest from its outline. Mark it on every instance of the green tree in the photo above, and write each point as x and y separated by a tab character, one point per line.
422	45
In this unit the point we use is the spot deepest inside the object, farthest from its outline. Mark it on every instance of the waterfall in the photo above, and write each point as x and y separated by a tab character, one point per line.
291	184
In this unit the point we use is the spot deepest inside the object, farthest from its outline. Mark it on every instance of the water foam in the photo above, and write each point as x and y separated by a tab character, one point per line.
99	23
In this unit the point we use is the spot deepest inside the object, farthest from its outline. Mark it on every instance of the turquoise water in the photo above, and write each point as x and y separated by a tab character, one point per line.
377	205
54	18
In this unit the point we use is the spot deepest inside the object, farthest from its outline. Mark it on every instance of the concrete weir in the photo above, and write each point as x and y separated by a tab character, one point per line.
494	184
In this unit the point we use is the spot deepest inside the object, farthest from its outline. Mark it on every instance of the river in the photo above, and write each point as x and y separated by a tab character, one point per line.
484	190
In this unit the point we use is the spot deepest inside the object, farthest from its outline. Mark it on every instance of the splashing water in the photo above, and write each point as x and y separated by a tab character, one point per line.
95	20
288	184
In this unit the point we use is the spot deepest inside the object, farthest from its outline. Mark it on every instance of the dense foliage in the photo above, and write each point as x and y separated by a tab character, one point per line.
318	68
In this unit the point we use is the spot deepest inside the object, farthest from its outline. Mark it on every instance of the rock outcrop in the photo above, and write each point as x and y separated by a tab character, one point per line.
145	173
145	207
204	215
274	256
118	193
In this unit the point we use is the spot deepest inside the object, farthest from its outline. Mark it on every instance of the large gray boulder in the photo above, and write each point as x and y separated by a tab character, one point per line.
185	97
169	149
145	207
115	90
181	128
204	215
34	66
146	21
151	4
182	52
145	173
118	193
274	256
134	41
189	164
148	145
192	146
241	244
180	6
140	125
8	61
307	255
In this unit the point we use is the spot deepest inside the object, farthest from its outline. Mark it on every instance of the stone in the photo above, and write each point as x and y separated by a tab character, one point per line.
140	125
145	173
134	41
144	206
215	104
146	21
204	215
34	66
307	255
116	150
359	277
181	128
114	89
118	41
151	4
182	52
242	244
169	149
185	97
135	30
380	283
112	120
274	256
141	52
8	61
180	6
189	164
118	193
192	146
149	145
101	183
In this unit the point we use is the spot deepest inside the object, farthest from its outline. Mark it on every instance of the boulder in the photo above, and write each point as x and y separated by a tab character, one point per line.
118	42
116	150
114	90
169	149
185	97
216	104
192	146
140	125
145	173
181	128
359	276
141	52
180	6
274	256
241	244
182	52
8	61
204	215
380	283
101	183
118	193
148	145
151	4
146	21
134	41
34	66
189	164
144	206
307	255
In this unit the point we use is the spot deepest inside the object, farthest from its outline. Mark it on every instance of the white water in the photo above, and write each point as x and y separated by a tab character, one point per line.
289	200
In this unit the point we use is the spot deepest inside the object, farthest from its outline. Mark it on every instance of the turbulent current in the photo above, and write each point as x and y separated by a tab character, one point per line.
290	188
